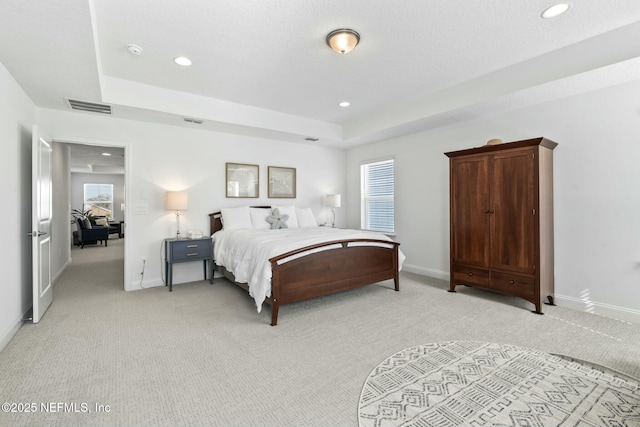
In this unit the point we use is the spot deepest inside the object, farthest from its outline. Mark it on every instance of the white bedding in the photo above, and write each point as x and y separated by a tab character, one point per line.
246	252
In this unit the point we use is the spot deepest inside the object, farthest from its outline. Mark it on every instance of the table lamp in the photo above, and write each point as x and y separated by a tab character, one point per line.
333	201
177	201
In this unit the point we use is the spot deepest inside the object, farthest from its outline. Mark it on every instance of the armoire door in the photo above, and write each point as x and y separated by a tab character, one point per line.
469	210
513	206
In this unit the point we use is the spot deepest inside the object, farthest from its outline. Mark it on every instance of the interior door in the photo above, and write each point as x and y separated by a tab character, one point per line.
41	223
470	210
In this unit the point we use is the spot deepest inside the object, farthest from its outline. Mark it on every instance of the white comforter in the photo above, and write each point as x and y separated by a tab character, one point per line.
246	252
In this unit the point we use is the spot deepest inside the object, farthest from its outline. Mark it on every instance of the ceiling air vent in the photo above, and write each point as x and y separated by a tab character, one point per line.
91	107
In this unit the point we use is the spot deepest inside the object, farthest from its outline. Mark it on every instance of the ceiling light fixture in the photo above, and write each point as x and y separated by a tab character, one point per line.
343	40
106	154
134	49
555	10
182	60
344	104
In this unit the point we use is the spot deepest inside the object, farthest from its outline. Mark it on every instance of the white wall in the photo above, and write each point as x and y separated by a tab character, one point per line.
18	116
77	190
60	227
596	181
161	157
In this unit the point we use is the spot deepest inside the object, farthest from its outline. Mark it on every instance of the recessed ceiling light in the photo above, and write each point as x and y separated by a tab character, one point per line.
106	154
555	10
344	104
182	60
134	49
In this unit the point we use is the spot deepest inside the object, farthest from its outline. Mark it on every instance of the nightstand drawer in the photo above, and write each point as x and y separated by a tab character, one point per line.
184	250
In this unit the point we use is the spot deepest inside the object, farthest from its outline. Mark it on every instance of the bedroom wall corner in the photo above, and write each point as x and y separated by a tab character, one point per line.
597	235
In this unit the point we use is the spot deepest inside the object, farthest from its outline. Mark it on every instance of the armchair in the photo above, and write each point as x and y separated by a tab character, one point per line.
114	227
89	233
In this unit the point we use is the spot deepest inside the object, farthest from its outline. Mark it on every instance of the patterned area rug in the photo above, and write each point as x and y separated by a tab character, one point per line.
464	383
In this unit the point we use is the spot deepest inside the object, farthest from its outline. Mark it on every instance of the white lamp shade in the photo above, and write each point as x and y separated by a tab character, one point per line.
332	200
176	200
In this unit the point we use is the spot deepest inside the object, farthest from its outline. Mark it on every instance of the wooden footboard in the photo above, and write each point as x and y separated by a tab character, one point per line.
331	267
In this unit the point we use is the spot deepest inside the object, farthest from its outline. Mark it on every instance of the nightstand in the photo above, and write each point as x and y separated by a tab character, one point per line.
187	250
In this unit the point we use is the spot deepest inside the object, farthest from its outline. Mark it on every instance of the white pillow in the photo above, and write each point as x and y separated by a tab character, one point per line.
290	210
259	217
234	218
102	221
306	217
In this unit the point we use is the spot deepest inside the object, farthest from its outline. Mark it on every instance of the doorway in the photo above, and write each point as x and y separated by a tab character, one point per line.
92	180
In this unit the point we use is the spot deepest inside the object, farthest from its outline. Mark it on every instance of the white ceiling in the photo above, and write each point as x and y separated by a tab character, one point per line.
94	159
262	68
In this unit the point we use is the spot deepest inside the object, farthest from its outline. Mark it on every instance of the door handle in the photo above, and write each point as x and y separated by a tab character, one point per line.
36	233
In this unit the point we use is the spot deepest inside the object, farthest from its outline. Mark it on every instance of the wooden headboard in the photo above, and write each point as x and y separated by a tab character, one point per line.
215	219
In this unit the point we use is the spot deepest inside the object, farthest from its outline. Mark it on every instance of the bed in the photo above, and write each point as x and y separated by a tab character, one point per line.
344	259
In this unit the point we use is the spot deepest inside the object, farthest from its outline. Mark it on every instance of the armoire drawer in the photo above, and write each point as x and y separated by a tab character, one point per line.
469	275
513	284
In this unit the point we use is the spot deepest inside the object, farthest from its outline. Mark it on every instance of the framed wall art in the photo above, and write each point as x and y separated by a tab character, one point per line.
282	182
243	180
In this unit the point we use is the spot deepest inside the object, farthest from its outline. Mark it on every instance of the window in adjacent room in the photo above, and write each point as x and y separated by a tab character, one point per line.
377	196
98	198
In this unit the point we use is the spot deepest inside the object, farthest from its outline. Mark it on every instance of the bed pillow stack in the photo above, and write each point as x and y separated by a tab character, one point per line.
256	218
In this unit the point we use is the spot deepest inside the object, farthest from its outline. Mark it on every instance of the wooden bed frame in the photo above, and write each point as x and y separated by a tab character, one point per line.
323	272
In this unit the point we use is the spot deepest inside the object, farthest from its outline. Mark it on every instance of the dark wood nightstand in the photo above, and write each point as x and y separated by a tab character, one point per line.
187	250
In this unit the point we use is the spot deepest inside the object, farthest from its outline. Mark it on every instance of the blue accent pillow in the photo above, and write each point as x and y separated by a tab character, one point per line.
277	220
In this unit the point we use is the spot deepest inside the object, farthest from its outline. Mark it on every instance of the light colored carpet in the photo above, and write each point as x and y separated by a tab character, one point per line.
201	355
471	383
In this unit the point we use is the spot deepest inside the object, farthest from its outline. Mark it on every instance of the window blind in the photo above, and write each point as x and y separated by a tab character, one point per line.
377	196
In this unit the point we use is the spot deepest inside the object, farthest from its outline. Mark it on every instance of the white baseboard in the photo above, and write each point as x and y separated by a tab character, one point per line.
612	311
64	267
146	284
607	310
8	334
423	271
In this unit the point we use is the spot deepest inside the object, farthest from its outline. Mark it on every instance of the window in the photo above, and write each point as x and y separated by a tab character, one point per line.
376	196
98	198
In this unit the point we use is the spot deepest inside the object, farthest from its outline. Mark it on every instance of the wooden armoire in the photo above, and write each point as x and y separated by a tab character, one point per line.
501	219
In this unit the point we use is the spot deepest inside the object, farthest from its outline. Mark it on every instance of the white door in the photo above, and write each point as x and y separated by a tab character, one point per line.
41	224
